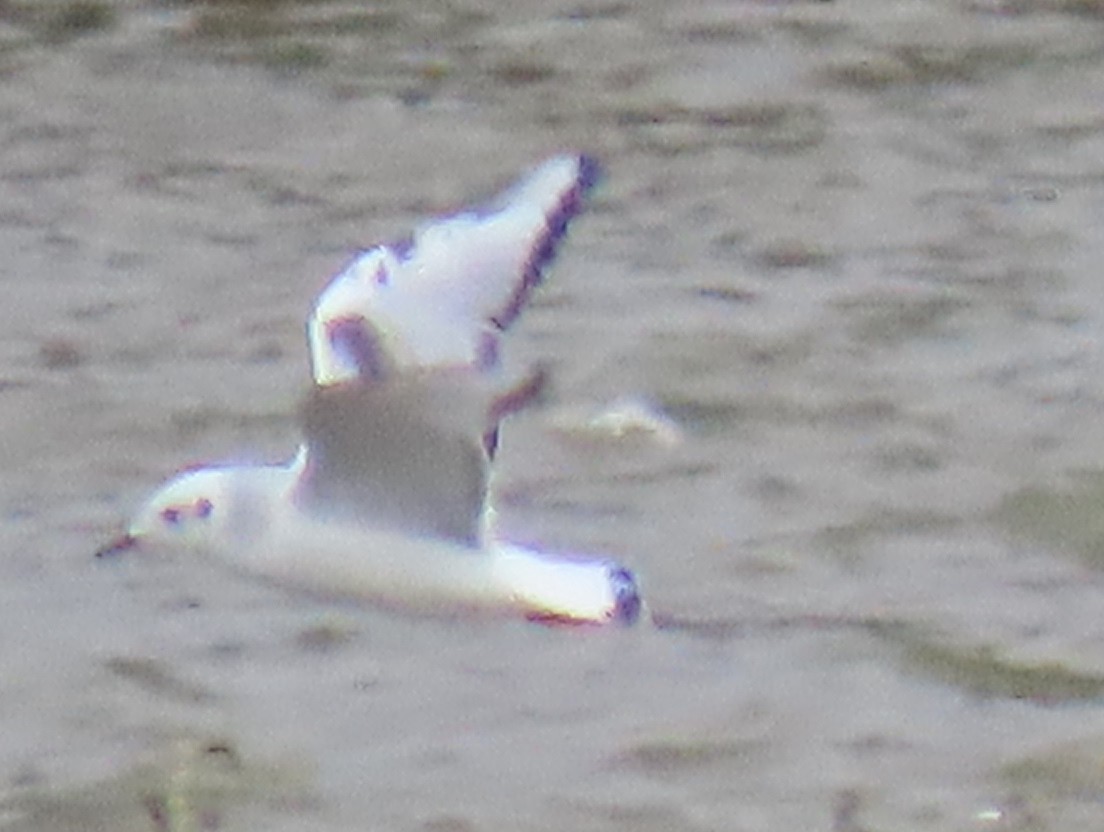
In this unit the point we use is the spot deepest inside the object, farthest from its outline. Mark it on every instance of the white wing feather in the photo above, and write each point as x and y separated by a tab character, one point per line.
441	299
403	416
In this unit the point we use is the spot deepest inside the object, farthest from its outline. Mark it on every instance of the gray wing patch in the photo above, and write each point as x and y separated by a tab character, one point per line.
405	455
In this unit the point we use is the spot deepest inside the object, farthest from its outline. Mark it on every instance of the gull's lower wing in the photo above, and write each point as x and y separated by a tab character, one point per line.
404	455
442	298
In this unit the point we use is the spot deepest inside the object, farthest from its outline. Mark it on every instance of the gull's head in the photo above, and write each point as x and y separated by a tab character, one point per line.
187	512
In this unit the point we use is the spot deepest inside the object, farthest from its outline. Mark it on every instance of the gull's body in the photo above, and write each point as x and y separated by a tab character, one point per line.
262	533
386	498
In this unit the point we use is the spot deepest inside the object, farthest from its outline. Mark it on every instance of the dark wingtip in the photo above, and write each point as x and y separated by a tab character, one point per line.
590	172
626	595
123	543
544	248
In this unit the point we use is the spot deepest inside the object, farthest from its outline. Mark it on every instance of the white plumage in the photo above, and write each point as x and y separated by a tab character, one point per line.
386	498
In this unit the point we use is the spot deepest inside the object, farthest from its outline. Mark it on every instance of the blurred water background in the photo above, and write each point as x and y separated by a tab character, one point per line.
851	248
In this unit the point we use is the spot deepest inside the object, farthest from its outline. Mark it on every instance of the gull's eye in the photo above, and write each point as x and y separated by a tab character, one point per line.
170	516
203	508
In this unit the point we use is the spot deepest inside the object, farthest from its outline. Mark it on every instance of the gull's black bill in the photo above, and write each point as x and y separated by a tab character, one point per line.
123	543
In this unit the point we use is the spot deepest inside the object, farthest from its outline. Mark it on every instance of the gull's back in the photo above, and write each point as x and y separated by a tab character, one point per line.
406	456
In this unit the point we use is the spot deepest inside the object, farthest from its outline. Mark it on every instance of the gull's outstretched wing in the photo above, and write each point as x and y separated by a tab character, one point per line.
405	455
442	298
404	412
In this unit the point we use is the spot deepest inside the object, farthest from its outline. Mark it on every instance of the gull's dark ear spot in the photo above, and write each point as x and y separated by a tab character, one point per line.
203	508
170	516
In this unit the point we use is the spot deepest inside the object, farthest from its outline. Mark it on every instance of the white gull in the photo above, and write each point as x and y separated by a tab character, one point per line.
387	496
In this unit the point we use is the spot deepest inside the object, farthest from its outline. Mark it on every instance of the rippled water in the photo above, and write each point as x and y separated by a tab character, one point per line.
851	247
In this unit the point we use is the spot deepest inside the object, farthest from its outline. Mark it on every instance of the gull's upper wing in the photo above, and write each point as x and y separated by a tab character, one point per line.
404	412
442	298
405	455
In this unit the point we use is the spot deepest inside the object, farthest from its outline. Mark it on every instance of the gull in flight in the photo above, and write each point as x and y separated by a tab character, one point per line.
386	498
